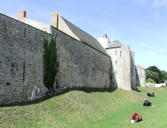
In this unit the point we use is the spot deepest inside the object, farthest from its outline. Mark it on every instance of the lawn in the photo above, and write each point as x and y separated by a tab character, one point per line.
78	109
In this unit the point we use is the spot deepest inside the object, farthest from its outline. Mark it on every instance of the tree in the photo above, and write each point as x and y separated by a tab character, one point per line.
164	75
50	61
149	80
156	74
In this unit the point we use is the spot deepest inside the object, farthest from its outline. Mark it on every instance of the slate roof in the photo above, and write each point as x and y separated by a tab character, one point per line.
115	44
79	34
71	30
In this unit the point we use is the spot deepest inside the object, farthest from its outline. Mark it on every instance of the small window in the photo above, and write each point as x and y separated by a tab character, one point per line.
116	62
120	53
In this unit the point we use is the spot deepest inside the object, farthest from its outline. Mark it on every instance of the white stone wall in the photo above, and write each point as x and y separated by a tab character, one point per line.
126	68
104	42
133	71
115	55
141	75
123	67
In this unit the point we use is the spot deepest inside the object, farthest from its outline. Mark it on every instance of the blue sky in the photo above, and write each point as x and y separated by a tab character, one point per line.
142	24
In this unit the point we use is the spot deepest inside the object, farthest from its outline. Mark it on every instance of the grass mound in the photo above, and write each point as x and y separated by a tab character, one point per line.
78	109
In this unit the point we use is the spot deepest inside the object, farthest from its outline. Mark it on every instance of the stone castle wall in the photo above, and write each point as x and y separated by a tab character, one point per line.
21	63
133	72
126	75
115	54
81	65
123	67
141	76
21	74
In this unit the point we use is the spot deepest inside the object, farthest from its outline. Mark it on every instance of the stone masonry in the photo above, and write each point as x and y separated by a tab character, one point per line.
122	60
21	74
125	74
83	61
141	76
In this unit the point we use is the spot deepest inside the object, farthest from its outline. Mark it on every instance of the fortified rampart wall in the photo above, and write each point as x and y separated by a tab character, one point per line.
123	67
21	64
141	76
82	64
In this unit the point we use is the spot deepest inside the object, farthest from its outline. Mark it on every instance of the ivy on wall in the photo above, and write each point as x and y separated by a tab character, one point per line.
50	61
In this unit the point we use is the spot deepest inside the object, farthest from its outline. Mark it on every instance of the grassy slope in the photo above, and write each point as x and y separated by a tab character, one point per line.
77	109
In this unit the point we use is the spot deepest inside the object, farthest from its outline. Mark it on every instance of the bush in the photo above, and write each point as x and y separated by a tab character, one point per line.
149	80
50	61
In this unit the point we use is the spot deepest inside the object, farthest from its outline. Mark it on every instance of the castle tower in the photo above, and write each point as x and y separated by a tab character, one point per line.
104	41
123	74
123	66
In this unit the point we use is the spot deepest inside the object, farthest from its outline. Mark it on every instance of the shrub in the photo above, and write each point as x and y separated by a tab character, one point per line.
50	61
149	80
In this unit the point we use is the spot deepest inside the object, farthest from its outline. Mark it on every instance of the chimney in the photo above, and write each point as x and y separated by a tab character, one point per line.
22	15
55	18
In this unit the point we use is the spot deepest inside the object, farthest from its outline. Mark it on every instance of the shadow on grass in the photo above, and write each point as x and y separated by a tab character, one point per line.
57	93
137	89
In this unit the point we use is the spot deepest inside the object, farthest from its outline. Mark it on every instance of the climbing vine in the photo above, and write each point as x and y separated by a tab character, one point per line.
50	61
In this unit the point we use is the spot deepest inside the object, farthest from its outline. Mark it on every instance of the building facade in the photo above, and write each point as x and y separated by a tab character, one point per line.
125	74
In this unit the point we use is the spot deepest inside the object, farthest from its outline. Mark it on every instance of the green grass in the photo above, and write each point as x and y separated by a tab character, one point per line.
77	109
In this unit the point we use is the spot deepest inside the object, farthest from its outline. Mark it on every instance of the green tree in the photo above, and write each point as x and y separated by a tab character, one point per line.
149	80
164	75
154	73
50	61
